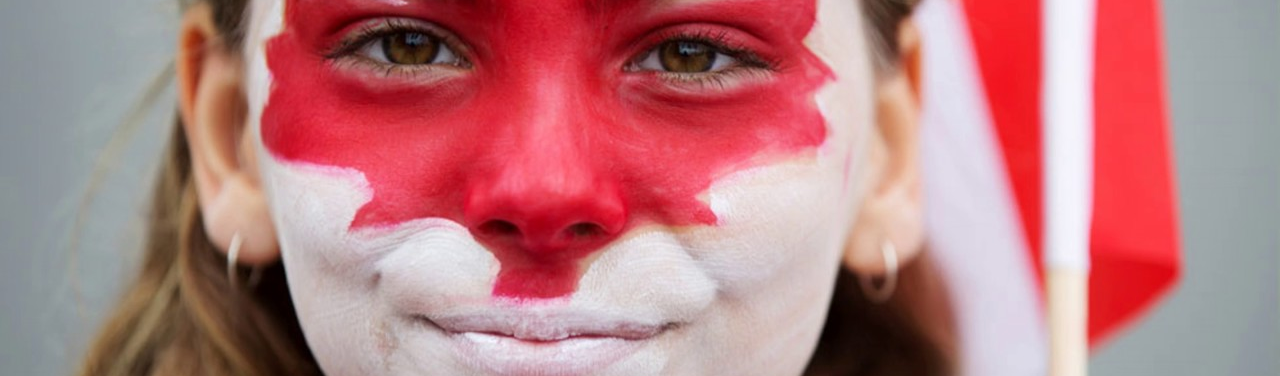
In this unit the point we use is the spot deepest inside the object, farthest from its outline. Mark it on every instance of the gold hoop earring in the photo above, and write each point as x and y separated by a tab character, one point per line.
885	291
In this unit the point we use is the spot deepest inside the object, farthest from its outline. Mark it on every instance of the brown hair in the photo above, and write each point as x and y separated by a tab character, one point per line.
182	316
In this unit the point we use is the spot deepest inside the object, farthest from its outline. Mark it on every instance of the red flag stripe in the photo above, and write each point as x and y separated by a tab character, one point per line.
1134	243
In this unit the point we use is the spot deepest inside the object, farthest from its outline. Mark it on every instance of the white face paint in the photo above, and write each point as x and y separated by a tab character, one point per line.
747	296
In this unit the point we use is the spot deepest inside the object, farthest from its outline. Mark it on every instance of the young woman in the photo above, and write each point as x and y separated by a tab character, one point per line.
563	187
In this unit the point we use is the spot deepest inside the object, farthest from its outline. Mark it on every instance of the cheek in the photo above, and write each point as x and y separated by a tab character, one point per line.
314	204
340	270
777	222
785	224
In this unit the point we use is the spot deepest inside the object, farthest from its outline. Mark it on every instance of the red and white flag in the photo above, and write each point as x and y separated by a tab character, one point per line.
1017	131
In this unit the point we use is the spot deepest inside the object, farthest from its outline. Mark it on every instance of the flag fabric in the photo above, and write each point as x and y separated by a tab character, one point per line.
984	148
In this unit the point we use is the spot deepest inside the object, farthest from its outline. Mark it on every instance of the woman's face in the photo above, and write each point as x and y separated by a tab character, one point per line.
561	187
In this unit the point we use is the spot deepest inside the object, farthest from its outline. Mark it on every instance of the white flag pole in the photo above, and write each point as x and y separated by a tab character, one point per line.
1069	29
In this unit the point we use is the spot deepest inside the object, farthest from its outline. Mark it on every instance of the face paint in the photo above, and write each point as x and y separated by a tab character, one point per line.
546	146
734	197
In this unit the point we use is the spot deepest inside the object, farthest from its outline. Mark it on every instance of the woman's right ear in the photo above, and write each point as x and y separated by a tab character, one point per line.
214	113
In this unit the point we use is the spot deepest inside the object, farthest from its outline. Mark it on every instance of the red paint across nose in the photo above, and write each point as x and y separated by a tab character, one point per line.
547	148
542	213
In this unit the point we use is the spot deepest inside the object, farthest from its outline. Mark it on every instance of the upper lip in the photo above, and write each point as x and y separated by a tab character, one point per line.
548	326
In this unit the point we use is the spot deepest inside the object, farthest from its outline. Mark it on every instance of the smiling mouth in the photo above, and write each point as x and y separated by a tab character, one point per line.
546	328
546	343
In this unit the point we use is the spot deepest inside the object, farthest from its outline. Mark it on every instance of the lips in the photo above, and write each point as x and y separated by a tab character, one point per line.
556	343
549	327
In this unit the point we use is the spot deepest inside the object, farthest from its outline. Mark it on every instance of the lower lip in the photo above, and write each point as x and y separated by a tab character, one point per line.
509	356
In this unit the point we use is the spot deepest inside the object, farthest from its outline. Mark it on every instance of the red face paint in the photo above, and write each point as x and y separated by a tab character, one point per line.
546	147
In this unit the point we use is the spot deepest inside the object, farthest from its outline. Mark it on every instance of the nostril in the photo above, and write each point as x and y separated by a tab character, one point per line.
499	228
583	230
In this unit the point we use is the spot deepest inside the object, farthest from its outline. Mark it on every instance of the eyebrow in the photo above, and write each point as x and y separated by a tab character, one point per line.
417	2
591	5
587	3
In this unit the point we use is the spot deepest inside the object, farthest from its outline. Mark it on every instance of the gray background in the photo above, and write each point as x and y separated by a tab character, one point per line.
71	69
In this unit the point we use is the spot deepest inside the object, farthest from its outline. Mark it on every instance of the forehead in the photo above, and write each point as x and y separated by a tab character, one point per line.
269	12
791	16
585	4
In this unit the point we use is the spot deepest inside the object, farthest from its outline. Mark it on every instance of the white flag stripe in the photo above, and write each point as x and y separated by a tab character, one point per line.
974	227
1068	131
1067	139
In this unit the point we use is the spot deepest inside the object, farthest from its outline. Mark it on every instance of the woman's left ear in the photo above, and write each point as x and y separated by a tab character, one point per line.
213	108
893	210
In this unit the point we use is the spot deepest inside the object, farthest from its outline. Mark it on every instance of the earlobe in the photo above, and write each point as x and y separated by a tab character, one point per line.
892	210
213	112
240	208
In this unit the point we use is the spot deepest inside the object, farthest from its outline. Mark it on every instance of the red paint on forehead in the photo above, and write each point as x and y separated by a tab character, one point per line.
546	129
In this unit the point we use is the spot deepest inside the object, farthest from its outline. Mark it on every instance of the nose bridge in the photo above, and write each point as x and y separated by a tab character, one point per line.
552	115
549	157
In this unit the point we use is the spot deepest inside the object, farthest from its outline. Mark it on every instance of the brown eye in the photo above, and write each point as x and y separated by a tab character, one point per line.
687	57
409	48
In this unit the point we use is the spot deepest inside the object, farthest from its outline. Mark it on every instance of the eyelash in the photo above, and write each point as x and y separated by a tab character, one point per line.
349	47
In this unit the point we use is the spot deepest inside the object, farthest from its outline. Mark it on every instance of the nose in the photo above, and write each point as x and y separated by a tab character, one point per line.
538	212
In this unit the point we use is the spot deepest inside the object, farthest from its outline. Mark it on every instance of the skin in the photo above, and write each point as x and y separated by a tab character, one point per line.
737	264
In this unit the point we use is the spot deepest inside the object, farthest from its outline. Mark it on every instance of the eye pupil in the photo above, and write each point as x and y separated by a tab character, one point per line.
410	48
687	57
